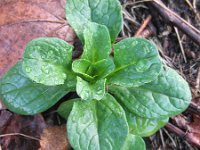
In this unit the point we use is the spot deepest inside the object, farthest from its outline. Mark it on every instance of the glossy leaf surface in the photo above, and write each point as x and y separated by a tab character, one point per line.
137	62
83	68
134	142
104	67
90	71
23	96
97	43
66	107
167	96
48	61
99	125
144	127
89	91
104	12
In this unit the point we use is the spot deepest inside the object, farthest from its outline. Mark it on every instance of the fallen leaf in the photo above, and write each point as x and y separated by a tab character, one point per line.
28	125
24	20
2	106
54	138
5	117
194	126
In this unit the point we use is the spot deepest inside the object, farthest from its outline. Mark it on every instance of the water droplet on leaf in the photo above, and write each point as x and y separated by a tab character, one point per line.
28	69
141	66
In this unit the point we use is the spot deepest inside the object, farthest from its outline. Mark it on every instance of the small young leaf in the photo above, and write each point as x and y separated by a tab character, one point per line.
90	91
48	61
104	67
144	127
97	43
83	68
105	12
134	142
89	71
137	62
23	96
97	125
166	96
66	107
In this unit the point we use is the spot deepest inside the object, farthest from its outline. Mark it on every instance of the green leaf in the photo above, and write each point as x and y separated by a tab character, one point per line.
137	62
167	96
143	126
105	12
97	43
97	125
23	96
89	71
104	67
48	61
134	142
66	107
83	68
89	91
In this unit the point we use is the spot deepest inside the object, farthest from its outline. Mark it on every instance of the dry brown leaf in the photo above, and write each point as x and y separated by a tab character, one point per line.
194	127
5	118
24	20
54	138
31	126
2	106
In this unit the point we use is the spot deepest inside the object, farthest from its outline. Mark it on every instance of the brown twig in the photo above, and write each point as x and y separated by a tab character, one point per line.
184	135
171	17
194	108
143	26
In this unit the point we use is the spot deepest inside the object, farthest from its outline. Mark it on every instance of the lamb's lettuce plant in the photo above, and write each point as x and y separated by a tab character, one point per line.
123	97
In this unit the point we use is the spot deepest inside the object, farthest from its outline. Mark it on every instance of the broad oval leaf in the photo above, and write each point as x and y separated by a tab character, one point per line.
137	62
134	142
90	91
97	43
23	96
167	96
66	107
144	127
48	61
105	12
97	125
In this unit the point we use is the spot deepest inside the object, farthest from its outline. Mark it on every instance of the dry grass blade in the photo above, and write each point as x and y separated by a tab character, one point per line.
180	43
19	134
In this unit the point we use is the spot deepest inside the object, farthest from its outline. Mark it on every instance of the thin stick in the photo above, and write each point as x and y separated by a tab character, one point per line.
143	26
198	79
189	4
170	137
184	135
180	43
171	17
194	108
19	134
162	139
134	3
176	130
